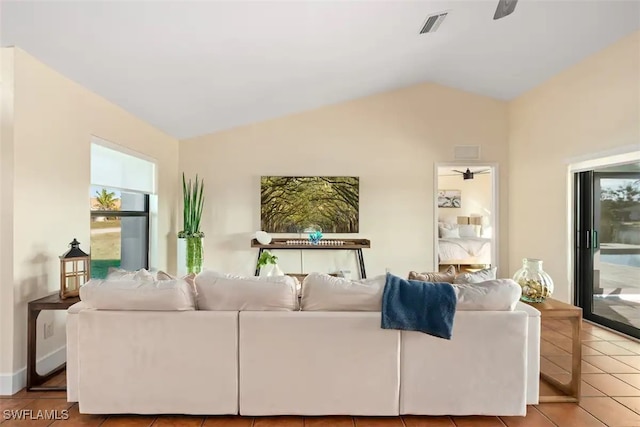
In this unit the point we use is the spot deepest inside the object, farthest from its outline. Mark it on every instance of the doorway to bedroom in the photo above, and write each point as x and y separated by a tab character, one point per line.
465	213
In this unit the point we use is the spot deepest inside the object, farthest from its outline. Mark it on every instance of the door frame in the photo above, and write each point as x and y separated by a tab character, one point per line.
584	268
495	205
614	157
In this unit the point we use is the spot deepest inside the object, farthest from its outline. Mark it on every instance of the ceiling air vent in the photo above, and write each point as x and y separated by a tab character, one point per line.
466	152
433	22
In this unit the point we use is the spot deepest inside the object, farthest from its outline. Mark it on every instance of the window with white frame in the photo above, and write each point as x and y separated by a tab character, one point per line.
121	187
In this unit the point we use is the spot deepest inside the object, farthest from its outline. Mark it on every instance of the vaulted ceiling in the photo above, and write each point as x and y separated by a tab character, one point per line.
196	67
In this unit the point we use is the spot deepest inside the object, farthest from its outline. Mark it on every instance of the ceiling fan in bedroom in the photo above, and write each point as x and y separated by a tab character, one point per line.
505	7
469	175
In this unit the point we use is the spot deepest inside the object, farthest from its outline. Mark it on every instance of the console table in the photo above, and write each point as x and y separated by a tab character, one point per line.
50	302
557	310
328	244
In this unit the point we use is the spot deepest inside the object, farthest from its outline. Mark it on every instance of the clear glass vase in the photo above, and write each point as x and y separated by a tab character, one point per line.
536	284
195	255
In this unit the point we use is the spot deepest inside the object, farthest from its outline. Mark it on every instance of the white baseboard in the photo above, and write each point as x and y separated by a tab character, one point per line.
12	383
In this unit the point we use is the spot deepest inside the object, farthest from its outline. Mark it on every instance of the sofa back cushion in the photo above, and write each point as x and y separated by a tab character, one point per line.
143	295
322	292
491	295
115	273
447	276
477	276
227	292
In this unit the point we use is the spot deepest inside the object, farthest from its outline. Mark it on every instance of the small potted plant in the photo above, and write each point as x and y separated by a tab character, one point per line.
267	258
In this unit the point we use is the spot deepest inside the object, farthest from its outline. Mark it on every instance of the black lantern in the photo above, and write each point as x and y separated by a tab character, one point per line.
75	270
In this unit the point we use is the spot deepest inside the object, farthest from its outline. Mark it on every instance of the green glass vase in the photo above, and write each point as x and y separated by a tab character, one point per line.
195	254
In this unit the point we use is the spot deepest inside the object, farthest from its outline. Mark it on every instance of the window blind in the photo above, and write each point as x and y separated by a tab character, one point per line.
114	169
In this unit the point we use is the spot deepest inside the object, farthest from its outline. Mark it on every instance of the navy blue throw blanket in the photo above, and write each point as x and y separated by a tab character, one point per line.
418	306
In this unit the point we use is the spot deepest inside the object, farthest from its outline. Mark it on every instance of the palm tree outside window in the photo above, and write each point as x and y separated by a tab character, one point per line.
119	230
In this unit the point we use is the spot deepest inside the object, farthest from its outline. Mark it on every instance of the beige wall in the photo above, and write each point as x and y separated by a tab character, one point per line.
475	196
6	208
53	124
391	141
591	107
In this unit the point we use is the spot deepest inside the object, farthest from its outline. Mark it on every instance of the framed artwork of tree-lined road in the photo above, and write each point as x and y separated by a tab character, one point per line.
301	204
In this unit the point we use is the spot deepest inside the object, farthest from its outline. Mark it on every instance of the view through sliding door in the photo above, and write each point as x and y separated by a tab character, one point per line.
607	246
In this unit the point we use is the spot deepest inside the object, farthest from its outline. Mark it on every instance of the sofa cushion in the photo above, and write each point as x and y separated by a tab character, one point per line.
322	292
145	295
228	292
477	276
492	295
189	278
121	274
448	275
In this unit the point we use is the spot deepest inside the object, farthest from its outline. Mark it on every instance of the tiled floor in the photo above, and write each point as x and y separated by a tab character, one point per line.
610	395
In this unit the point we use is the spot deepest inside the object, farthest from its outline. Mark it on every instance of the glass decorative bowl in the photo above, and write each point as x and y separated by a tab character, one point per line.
535	283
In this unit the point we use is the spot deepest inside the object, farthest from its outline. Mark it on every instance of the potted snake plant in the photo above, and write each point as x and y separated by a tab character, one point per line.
190	253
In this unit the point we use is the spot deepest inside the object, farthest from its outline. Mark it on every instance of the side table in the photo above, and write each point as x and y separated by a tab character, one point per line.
50	302
556	310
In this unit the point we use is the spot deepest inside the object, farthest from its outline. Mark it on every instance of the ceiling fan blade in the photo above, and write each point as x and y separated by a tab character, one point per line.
457	171
505	7
484	171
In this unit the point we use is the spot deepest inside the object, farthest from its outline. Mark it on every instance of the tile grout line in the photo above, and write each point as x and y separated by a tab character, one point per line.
620	379
631	366
629	408
593	415
544	415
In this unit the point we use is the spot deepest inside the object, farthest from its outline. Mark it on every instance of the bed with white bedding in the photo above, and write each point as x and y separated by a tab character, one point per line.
464	250
463	243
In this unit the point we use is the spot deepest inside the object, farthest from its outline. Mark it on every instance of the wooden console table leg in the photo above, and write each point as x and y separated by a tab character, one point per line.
32	323
576	357
363	272
34	379
258	268
572	389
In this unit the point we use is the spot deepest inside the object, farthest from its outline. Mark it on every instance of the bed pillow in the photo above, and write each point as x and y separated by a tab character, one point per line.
445	225
446	233
491	295
447	276
477	276
469	230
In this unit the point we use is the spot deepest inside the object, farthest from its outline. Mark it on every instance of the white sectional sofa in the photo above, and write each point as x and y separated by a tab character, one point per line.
284	361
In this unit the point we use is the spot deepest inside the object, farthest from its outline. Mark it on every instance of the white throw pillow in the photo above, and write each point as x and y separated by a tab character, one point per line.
227	292
492	295
477	277
322	292
129	294
447	233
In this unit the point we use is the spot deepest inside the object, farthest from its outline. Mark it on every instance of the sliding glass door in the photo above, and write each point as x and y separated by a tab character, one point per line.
607	246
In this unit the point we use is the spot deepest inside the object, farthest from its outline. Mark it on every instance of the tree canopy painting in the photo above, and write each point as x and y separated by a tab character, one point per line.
295	204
